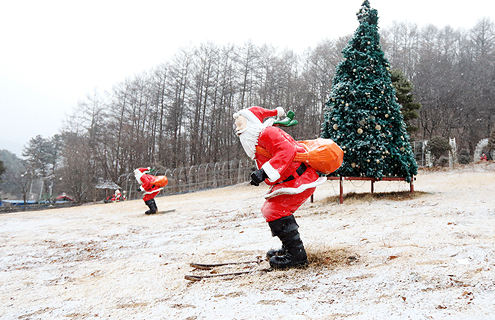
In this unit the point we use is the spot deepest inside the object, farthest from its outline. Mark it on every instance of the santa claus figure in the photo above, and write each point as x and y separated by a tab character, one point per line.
292	182
117	195
150	186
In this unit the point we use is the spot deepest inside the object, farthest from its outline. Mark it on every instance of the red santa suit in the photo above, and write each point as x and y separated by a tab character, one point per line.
146	180
292	183
117	195
151	185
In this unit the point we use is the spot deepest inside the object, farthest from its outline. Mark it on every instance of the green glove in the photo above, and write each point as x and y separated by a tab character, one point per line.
288	121
150	170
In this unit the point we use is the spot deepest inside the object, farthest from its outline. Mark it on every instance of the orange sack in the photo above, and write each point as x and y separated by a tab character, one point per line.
324	155
160	181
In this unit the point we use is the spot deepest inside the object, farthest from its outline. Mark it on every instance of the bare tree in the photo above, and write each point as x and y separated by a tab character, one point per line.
400	41
177	89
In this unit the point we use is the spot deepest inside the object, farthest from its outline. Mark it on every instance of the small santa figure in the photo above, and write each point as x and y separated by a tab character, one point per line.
149	186
117	195
292	182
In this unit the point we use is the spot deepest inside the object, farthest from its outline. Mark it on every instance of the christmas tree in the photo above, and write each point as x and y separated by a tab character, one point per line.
362	115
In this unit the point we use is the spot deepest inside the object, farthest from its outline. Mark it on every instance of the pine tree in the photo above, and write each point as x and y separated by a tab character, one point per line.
362	115
405	98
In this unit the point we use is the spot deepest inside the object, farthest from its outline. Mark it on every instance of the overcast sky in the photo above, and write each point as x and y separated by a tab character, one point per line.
54	53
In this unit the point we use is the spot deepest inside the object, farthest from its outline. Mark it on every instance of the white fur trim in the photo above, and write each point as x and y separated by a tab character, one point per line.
280	112
301	188
154	191
246	113
268	122
270	171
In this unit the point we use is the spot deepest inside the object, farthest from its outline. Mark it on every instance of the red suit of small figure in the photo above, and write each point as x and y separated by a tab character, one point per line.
150	189
292	183
117	196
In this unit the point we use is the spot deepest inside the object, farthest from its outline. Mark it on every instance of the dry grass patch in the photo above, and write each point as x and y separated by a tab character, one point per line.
330	257
354	198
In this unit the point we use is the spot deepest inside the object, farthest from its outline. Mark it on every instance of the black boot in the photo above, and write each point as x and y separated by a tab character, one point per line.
152	205
295	256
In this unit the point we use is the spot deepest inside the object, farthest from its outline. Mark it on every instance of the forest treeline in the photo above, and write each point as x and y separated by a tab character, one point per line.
180	112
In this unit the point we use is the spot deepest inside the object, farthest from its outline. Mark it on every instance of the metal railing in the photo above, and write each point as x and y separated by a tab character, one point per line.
194	178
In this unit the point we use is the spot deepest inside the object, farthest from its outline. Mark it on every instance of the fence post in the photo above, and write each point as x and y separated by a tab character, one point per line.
191	178
215	175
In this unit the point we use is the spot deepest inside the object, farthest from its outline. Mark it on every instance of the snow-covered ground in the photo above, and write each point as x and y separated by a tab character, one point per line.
430	255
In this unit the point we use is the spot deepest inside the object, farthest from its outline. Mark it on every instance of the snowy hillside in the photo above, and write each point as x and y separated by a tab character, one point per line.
430	255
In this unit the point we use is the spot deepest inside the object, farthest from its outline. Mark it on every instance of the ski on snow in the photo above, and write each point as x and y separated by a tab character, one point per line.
206	266
160	212
166	211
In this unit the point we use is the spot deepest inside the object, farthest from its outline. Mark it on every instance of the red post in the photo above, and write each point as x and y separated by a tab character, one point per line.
373	180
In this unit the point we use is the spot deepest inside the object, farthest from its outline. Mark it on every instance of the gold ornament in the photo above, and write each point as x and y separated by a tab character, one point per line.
359	131
378	127
335	127
353	165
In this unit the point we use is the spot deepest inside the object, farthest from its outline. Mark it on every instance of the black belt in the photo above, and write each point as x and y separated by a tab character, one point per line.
302	168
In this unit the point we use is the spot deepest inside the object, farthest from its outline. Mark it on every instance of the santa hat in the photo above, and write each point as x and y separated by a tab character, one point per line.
258	114
138	173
